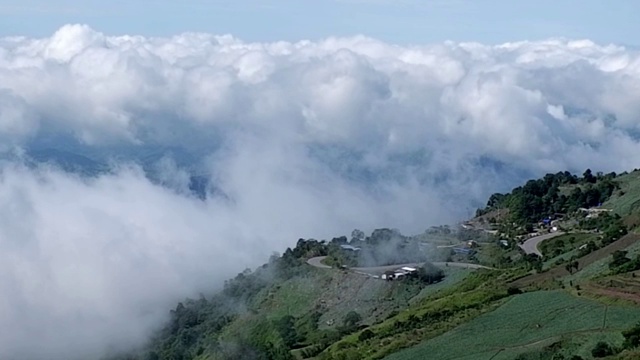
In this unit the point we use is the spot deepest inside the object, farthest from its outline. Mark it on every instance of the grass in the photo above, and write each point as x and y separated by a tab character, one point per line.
452	275
334	293
293	297
564	243
630	200
525	323
547	264
478	293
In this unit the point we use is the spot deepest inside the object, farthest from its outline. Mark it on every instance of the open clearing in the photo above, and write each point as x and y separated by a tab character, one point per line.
526	323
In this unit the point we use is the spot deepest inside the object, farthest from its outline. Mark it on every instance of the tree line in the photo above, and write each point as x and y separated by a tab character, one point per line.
550	195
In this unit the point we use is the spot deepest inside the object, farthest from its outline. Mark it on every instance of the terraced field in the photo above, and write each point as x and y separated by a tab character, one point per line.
623	286
526	323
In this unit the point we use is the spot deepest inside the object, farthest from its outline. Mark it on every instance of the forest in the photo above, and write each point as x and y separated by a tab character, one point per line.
553	194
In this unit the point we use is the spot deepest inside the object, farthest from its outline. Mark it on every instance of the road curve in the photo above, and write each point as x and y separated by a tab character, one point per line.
317	262
531	246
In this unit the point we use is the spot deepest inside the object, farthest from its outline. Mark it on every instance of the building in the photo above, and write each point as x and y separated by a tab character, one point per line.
398	274
465	251
350	248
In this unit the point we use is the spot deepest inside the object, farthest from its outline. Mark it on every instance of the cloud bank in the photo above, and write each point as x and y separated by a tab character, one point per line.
307	139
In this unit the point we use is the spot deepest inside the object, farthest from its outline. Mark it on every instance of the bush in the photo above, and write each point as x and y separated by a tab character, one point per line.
632	337
602	349
366	335
512	290
351	319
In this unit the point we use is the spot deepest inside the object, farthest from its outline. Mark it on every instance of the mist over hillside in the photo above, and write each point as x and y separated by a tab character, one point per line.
138	171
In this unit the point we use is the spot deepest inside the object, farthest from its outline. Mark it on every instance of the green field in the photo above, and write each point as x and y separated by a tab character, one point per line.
526	323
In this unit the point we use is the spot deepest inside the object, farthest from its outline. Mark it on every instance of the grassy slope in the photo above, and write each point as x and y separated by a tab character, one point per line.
524	323
334	293
453	275
590	264
429	317
626	202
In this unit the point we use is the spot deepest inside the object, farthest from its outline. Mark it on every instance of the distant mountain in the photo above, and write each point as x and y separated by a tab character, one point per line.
68	161
147	158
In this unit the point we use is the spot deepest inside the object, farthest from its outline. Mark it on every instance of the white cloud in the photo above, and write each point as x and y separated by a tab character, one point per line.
311	139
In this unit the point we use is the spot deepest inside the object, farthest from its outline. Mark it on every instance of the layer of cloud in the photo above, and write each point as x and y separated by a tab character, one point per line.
308	139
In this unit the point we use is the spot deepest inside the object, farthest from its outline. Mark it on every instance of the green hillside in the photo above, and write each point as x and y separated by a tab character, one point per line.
527	323
578	299
626	201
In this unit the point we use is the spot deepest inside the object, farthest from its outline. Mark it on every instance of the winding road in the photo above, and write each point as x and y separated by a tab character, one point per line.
317	262
531	246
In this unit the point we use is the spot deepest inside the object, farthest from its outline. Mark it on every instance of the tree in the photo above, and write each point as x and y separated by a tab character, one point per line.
357	235
602	349
351	319
286	328
588	177
528	228
366	335
619	258
569	267
152	355
632	337
512	290
430	274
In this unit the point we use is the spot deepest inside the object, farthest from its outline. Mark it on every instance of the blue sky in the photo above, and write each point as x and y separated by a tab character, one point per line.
398	21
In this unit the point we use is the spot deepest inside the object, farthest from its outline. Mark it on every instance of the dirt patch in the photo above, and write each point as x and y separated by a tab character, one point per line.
614	293
624	286
559	271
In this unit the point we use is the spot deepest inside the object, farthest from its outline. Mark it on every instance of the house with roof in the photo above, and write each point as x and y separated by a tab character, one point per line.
398	273
350	248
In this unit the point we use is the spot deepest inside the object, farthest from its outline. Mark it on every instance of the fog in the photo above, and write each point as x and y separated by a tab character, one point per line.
308	139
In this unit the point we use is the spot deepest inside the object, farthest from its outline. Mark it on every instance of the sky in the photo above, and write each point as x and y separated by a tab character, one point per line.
305	138
402	21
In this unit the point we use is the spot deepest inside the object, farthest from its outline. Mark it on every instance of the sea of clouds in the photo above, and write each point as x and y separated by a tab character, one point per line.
306	139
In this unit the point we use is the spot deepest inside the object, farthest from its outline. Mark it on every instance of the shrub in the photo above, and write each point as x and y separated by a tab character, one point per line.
366	335
512	290
602	349
632	337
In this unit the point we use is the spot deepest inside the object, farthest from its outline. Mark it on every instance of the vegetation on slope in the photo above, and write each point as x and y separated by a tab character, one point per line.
289	310
530	322
553	194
